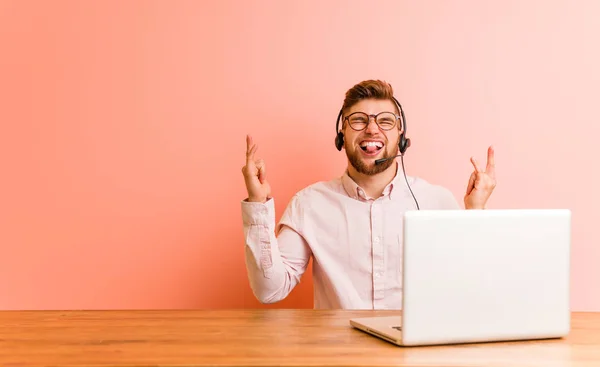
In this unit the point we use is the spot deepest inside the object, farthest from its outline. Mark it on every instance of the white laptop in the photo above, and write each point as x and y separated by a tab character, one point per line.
481	276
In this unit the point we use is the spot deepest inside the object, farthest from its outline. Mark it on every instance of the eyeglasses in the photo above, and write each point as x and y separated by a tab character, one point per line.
359	120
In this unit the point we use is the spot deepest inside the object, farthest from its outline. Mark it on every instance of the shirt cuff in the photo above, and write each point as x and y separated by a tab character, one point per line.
256	213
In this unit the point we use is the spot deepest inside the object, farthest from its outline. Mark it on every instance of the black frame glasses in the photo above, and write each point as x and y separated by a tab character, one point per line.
383	125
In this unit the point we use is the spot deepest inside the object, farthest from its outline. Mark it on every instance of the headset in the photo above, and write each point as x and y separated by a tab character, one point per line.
403	144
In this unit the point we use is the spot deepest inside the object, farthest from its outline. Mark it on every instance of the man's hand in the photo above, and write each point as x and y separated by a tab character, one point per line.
255	175
481	183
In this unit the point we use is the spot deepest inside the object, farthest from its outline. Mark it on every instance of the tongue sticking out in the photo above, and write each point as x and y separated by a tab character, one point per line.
371	148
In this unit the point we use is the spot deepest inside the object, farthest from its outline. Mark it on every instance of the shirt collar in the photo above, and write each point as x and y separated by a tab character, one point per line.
356	192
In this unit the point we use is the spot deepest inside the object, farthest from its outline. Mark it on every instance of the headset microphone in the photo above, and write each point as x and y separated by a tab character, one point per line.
381	160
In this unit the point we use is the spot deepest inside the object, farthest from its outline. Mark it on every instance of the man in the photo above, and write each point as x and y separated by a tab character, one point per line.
351	225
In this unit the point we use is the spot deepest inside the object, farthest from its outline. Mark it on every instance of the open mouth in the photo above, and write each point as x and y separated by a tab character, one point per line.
371	147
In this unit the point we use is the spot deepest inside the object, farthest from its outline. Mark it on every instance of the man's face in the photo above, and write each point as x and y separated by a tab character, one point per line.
365	146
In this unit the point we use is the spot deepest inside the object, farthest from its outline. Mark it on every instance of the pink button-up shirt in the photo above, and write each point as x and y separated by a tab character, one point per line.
355	242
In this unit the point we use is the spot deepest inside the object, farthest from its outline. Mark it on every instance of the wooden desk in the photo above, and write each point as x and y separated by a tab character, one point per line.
257	338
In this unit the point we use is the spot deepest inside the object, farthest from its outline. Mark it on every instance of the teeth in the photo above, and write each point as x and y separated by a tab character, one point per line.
372	144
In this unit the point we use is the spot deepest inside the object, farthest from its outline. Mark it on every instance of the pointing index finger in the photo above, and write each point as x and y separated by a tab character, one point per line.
248	143
491	164
250	149
474	162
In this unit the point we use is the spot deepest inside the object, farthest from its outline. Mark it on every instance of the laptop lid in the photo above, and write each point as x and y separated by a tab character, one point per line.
485	275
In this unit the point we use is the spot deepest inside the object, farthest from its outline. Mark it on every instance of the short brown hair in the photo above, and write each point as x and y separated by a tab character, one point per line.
375	89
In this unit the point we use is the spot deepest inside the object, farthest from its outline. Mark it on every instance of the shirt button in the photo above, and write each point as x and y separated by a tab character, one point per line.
378	275
376	240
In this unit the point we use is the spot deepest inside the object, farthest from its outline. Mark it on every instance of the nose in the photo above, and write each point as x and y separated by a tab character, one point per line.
372	127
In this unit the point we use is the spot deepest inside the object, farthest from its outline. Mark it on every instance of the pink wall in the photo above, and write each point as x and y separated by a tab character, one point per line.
113	113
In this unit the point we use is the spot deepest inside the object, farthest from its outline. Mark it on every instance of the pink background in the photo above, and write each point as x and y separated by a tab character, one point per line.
113	112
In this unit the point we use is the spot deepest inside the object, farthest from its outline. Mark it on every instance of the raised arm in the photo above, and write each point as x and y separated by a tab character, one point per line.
276	256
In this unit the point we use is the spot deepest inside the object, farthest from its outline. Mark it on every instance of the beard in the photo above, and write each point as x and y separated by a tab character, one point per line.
370	168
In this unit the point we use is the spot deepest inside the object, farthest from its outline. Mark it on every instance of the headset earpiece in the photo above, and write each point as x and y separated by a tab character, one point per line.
403	144
339	140
339	136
